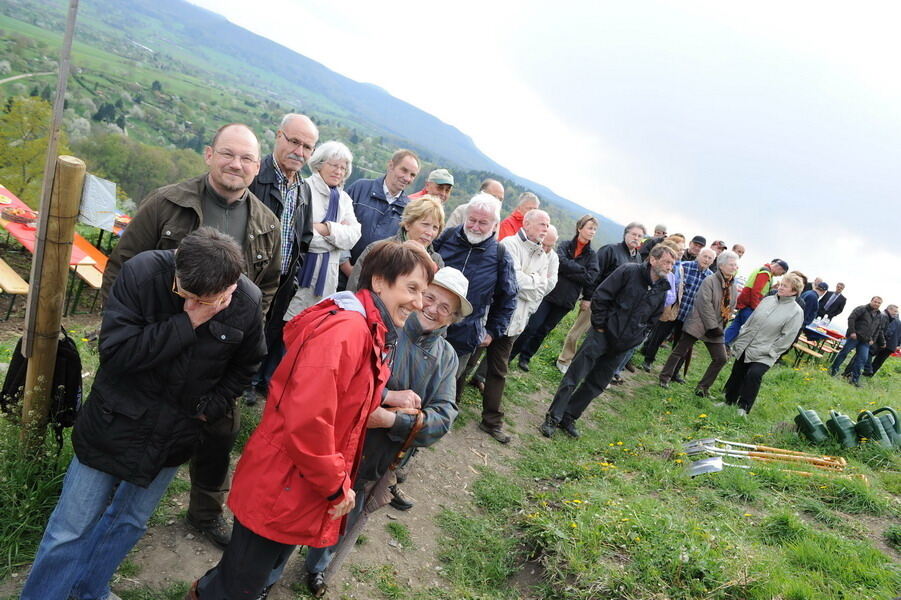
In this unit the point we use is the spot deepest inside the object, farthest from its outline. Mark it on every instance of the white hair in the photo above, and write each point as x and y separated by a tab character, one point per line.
534	214
291	116
487	203
725	256
332	150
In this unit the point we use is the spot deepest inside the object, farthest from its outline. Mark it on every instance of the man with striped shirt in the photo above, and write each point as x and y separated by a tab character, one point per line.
280	187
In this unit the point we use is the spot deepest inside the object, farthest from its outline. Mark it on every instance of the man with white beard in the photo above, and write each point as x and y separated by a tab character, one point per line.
473	249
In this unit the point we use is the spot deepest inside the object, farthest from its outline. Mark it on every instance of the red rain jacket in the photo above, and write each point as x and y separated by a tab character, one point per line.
304	455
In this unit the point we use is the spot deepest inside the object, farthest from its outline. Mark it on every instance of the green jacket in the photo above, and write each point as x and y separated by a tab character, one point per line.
171	212
770	331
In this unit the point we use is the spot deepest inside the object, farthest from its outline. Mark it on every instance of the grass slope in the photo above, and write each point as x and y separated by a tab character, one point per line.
612	515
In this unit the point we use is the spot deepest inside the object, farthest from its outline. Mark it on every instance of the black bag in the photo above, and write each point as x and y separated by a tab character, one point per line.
65	397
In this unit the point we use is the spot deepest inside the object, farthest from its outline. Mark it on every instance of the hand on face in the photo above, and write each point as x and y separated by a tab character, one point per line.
201	310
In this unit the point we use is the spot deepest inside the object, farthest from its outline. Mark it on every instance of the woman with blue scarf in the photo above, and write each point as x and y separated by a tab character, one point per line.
335	227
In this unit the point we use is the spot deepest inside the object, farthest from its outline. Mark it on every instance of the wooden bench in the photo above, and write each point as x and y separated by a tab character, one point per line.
90	275
802	351
11	284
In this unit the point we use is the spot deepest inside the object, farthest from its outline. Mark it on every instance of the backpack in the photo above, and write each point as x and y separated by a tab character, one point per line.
65	397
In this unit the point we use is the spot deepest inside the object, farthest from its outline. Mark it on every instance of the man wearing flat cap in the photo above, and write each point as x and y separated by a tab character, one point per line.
439	183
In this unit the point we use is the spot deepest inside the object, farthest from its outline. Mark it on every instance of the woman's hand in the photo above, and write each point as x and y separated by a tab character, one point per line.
345	506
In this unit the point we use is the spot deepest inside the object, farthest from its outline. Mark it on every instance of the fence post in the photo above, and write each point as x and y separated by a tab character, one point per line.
53	272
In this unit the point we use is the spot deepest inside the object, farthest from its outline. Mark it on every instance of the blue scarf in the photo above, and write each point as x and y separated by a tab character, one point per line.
319	260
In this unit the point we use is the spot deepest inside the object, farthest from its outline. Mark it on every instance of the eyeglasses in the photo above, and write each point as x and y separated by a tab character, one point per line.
246	160
298	143
443	309
176	289
340	167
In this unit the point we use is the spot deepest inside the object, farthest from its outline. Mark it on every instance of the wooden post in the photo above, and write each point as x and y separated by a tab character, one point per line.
65	201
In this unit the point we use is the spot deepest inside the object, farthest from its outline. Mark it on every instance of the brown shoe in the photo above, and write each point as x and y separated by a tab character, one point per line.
498	434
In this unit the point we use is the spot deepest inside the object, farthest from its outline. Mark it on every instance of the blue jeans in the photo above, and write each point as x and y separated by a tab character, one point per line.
735	326
860	359
97	521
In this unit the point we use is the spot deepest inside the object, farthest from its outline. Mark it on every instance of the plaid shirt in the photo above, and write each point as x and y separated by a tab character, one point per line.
693	277
289	207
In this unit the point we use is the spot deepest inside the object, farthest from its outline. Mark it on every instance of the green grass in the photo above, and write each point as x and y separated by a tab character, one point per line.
612	514
400	532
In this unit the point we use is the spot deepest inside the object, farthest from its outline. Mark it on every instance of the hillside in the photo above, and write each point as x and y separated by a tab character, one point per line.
203	60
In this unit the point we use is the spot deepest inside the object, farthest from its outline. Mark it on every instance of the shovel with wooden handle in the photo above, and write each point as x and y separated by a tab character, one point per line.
711	441
715	464
768	457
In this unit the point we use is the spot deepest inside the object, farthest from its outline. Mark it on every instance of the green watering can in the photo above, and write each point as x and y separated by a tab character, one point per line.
890	424
809	423
870	427
842	428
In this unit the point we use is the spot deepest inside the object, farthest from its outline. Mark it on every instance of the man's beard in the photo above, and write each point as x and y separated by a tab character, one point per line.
477	238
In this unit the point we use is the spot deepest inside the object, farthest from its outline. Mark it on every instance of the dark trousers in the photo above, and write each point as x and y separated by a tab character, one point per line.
209	467
658	335
589	373
744	383
718	360
497	357
880	357
860	357
245	566
466	363
275	324
540	324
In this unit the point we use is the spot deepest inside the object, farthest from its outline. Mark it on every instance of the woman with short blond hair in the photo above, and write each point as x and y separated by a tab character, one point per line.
764	337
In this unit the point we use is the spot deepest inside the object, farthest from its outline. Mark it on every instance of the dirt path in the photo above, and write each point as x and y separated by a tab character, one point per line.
441	478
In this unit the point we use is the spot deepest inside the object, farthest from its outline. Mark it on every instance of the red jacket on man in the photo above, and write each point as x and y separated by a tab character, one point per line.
304	455
510	225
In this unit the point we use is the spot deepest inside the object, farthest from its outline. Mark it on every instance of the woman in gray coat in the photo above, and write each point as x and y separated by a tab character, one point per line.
763	338
712	308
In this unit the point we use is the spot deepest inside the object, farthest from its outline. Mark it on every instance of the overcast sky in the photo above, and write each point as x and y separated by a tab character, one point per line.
774	124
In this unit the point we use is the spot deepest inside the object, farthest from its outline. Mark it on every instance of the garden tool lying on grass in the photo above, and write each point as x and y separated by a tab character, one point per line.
713	441
715	464
766	456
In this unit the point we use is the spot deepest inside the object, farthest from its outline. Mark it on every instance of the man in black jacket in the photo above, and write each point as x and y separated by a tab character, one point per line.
864	328
181	335
623	308
609	257
891	336
279	186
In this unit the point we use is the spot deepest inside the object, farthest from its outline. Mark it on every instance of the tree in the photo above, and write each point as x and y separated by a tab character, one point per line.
24	131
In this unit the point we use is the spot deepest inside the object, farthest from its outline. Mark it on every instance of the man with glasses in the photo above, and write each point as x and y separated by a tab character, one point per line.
280	187
182	333
219	199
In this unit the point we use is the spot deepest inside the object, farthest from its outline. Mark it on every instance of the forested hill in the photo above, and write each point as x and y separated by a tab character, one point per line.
179	40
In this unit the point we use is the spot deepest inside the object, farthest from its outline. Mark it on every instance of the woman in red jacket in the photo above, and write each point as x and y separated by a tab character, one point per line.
293	484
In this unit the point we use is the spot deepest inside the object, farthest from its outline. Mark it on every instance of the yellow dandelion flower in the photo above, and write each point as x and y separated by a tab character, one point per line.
748	515
678	461
702	416
619	443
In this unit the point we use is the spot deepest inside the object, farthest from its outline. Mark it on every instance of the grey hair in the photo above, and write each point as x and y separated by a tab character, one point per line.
331	150
534	214
633	225
891	306
485	202
725	256
291	116
527	197
552	229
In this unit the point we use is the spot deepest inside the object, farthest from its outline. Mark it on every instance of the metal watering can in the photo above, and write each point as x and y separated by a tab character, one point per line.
809	423
870	427
890	424
842	428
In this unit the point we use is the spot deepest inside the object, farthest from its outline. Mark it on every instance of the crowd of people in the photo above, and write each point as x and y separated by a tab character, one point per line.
359	314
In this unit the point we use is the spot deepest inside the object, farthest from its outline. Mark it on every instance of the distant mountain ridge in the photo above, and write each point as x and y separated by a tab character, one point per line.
209	42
